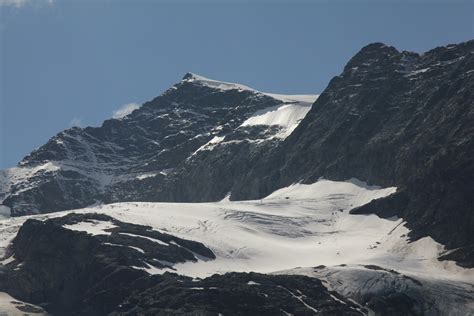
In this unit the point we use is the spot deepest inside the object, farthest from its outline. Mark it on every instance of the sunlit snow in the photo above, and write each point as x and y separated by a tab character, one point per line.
286	115
93	227
10	306
298	226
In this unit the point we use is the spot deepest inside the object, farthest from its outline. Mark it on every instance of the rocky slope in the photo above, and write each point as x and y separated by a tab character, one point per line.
145	155
388	292
393	119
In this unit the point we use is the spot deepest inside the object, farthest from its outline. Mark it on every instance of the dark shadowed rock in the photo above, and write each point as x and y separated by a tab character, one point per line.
61	269
134	158
238	294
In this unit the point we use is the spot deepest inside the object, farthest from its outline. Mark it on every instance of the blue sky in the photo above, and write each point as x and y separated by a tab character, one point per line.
66	63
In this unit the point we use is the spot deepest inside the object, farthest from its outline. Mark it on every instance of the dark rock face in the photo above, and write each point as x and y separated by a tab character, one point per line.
60	269
389	292
135	158
211	175
238	294
74	273
463	256
392	119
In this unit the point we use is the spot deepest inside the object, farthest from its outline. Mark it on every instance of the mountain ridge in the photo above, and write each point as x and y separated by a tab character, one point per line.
79	166
390	118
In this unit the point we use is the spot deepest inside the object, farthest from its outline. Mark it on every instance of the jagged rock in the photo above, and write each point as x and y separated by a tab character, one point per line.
392	119
149	154
385	291
238	294
57	265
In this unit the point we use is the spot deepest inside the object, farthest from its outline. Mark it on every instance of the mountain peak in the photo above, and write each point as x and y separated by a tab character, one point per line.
221	85
376	49
302	99
371	54
190	76
378	46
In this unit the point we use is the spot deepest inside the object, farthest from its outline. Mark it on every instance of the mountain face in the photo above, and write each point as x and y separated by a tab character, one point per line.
144	155
391	118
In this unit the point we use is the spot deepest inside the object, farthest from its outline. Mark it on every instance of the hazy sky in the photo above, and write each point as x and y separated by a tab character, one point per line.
70	62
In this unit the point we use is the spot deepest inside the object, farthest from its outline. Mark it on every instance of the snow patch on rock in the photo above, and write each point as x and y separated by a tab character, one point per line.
92	227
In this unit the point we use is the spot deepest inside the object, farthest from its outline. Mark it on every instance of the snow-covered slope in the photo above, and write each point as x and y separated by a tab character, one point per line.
299	226
302	225
10	306
220	85
286	115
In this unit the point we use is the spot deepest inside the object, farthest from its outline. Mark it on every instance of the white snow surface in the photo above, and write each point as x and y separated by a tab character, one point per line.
298	226
146	175
92	227
221	85
145	237
286	115
8	307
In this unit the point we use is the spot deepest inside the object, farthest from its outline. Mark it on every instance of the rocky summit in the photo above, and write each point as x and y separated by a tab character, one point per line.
198	129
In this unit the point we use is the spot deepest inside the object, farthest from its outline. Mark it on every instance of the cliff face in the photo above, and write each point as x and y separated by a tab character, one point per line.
144	155
393	119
